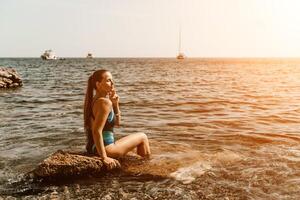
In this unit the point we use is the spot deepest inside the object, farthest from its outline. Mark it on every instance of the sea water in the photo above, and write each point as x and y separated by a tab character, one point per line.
218	128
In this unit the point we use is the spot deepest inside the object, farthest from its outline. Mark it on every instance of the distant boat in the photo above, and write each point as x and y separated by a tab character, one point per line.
49	55
180	55
89	55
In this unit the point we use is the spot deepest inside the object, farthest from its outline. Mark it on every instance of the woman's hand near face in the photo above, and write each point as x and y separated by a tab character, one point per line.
111	163
114	97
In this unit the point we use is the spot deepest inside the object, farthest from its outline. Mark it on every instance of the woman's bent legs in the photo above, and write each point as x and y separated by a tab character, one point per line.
126	144
143	149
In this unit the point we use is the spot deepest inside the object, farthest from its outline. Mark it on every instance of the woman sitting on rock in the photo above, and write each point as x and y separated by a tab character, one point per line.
101	114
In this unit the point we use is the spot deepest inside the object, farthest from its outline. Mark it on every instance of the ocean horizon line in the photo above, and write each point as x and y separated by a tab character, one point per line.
153	57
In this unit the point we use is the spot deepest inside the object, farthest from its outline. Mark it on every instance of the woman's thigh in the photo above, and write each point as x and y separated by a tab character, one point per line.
125	144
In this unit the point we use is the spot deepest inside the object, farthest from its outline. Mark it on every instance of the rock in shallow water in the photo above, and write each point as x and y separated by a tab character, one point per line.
63	164
66	164
9	78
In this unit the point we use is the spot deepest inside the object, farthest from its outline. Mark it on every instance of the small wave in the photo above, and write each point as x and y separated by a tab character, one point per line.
277	119
204	163
184	124
229	123
195	111
254	139
188	174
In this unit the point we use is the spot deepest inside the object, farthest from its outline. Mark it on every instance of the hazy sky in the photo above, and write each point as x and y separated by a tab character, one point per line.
149	28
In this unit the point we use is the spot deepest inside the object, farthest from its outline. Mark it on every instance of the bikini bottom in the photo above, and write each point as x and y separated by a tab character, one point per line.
108	138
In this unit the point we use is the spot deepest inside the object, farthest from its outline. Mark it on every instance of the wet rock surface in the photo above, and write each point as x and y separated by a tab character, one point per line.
64	164
9	78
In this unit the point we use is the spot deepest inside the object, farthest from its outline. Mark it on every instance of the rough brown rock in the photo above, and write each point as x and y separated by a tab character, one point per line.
66	164
63	164
9	78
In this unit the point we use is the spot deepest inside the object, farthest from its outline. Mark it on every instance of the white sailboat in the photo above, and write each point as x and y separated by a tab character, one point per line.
180	55
49	55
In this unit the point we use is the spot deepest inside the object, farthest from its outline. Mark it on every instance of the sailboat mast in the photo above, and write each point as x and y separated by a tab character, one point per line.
180	54
179	47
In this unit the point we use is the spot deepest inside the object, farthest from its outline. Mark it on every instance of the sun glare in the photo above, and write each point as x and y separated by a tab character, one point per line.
285	24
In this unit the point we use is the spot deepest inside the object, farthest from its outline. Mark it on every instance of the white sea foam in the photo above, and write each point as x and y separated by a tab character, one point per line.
188	174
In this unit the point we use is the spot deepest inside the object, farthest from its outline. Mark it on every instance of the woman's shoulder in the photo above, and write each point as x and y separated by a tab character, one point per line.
103	102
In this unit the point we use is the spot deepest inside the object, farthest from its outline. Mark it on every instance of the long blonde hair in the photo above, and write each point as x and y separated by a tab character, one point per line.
88	109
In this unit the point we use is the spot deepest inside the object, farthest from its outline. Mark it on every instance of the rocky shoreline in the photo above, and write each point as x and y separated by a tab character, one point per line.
9	78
